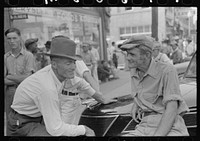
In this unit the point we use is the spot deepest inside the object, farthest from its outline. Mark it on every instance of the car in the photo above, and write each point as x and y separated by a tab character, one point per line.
115	120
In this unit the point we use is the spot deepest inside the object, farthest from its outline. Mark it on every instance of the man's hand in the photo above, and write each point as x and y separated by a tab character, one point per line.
88	131
100	98
135	113
109	100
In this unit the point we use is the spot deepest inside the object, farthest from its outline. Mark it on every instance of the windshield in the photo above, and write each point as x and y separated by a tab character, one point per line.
191	71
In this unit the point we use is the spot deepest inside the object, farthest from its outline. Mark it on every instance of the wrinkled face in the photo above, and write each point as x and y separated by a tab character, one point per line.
13	40
65	68
135	59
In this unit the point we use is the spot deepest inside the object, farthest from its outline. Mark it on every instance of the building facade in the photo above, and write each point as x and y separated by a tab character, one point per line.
79	23
128	21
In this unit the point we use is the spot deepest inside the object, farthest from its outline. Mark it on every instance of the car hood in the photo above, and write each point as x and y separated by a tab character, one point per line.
189	91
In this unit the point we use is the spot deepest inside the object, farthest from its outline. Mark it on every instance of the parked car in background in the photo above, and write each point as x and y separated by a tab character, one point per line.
114	119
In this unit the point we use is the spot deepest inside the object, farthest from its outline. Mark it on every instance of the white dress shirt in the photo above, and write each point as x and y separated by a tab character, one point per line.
38	95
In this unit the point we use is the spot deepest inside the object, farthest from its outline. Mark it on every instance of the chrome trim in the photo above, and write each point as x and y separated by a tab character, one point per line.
127	125
108	116
110	125
193	126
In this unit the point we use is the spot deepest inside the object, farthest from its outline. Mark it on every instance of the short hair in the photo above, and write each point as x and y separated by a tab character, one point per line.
13	29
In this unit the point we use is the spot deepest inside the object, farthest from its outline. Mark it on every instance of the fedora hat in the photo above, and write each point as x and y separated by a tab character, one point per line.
64	47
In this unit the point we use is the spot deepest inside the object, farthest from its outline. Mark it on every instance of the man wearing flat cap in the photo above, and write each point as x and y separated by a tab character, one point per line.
40	100
31	46
158	103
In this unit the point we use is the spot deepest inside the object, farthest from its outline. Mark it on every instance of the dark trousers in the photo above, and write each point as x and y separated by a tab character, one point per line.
22	125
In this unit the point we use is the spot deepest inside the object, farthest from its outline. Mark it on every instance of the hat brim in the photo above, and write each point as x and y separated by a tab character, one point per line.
62	56
128	46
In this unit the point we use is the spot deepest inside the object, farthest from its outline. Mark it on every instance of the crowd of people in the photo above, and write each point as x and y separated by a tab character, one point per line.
44	88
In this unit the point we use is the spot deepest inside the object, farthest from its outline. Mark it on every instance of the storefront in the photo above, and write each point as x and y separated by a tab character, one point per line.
46	22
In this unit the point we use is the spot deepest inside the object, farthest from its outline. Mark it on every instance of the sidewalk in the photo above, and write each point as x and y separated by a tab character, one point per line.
117	87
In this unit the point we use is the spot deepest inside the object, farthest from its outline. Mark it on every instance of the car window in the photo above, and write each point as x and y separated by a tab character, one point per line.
191	71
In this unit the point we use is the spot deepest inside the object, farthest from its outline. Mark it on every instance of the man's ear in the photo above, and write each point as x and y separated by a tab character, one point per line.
149	54
53	64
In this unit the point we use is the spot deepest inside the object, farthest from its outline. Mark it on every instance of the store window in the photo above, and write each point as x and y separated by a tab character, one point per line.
128	30
45	23
140	29
134	29
122	30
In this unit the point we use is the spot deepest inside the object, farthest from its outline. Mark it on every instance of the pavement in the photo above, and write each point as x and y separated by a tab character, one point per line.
117	87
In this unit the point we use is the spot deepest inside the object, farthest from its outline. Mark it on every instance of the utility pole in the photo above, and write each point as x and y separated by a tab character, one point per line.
154	23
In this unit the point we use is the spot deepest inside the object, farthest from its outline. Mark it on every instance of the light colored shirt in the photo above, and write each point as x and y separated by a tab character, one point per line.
110	51
159	85
95	53
163	58
21	64
81	68
88	58
39	95
71	105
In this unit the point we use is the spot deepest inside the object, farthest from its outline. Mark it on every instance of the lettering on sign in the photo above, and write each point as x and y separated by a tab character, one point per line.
19	16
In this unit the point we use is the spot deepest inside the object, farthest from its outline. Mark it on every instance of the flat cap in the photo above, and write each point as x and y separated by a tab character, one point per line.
30	41
138	40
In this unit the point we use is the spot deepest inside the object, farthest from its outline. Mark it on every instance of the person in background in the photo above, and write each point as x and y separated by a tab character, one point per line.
89	60
38	108
166	48
18	65
176	56
190	48
94	51
115	59
158	102
103	73
48	48
31	45
158	56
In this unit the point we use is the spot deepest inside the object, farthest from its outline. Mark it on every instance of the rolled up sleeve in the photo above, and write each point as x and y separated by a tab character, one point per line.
172	91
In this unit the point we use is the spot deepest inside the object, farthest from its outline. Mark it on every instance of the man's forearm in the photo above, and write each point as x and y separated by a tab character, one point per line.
167	119
9	82
17	78
99	97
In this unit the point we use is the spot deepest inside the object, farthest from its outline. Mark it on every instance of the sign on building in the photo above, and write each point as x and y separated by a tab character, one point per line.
18	16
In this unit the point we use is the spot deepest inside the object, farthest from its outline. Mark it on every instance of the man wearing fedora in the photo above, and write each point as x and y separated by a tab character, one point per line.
38	102
158	103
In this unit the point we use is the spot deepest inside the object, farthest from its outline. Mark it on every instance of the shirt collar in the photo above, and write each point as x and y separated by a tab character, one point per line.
57	82
151	70
22	51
